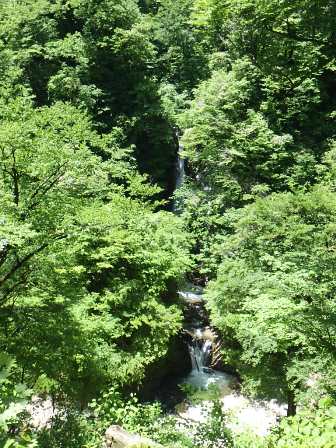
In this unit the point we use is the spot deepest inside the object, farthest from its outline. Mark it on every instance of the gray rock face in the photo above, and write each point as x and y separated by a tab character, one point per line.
117	437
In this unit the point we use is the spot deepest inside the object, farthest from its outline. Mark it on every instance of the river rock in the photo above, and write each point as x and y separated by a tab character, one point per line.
117	437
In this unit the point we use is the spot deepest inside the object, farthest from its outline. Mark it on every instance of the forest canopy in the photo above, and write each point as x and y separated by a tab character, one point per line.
98	100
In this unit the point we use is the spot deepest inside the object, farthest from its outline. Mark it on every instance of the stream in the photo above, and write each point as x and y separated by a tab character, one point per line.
204	347
203	344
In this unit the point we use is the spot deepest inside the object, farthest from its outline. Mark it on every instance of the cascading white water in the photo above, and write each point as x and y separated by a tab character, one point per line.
201	344
204	352
200	353
180	165
191	297
200	347
180	172
180	168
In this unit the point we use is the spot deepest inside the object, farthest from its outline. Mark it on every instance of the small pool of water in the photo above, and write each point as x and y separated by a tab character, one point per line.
206	377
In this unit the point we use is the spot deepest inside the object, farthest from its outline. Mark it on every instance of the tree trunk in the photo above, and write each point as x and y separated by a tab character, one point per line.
291	410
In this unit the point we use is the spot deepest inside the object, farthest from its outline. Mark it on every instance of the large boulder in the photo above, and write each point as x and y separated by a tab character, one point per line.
117	437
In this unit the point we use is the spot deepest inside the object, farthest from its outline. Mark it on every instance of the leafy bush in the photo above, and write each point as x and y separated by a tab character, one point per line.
310	428
273	300
13	400
70	429
112	408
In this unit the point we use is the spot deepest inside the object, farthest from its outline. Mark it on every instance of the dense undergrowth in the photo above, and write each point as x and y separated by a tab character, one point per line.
94	95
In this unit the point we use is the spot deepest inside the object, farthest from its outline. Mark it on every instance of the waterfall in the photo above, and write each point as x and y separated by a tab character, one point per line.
205	349
180	173
200	353
201	342
203	345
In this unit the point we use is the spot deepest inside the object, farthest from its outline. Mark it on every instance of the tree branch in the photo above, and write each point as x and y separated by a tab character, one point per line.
7	294
44	187
15	177
292	35
3	254
18	265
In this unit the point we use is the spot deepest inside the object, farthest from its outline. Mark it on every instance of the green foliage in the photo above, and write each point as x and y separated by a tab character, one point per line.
102	57
93	96
311	429
196	395
14	397
133	416
83	256
263	120
230	144
182	59
73	429
214	432
234	154
274	296
70	428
